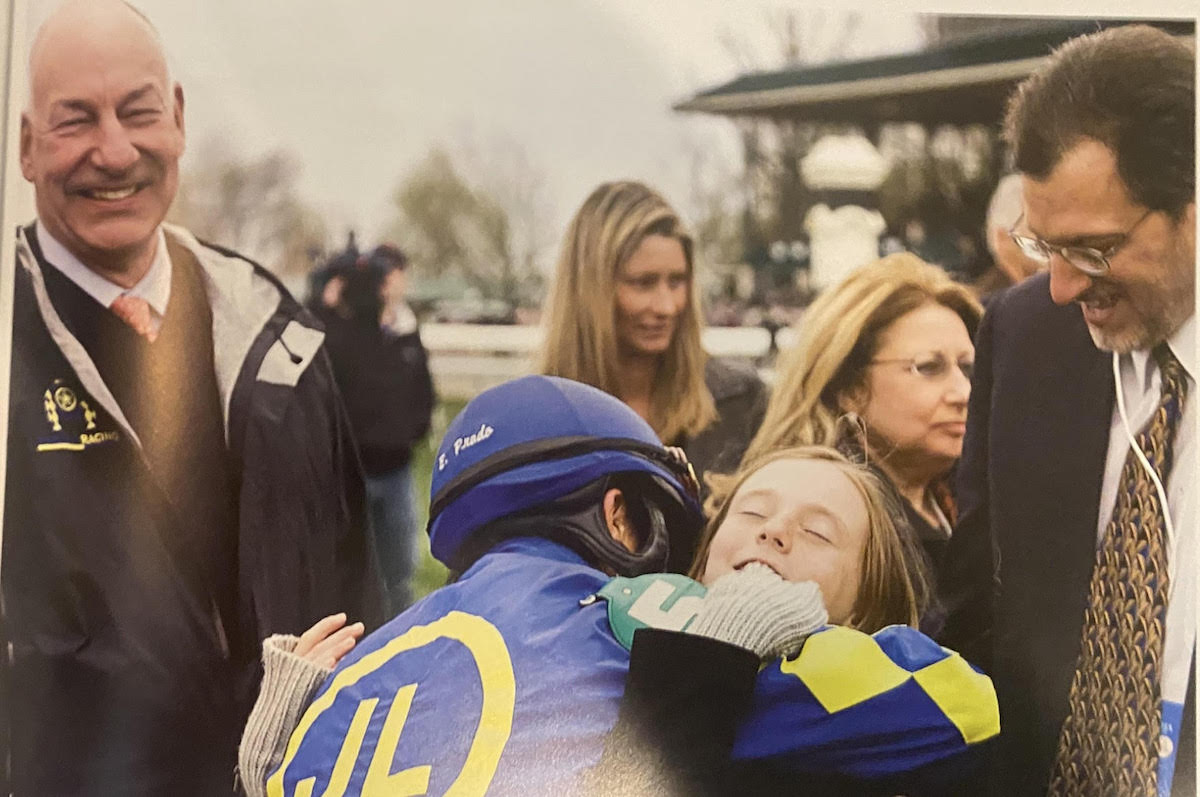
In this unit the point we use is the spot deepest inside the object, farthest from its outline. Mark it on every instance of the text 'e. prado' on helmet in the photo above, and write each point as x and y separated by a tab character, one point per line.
531	441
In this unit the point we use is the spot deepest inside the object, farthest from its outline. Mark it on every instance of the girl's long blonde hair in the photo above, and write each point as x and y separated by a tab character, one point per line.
580	341
895	582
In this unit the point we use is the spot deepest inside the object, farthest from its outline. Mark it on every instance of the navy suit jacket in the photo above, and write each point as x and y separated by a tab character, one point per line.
1018	565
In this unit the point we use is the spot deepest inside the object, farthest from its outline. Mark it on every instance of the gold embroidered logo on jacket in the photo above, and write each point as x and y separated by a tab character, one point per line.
72	421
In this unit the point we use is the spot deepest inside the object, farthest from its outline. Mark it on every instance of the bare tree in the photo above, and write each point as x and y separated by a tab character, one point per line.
774	192
812	36
941	177
503	171
488	231
251	205
710	204
800	36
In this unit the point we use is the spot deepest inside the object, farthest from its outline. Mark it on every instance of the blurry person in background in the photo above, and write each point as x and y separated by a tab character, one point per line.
382	370
181	482
932	236
1010	265
327	282
624	317
398	318
890	346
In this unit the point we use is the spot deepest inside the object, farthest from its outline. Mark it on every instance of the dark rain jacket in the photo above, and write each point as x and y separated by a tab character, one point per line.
384	379
117	679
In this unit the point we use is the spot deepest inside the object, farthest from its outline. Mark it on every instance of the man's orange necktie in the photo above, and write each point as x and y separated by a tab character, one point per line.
136	312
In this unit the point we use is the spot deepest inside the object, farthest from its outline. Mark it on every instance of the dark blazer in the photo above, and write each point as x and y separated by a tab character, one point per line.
741	401
1016	572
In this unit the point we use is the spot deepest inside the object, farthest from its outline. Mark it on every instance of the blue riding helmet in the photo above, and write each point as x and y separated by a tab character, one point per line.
538	439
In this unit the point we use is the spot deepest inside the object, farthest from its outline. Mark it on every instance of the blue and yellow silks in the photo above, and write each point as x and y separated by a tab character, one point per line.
508	680
876	707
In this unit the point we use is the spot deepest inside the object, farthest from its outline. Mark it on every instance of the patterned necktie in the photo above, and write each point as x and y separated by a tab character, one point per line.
1109	742
136	312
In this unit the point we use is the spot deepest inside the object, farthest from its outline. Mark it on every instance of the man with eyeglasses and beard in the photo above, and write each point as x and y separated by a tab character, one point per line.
1069	581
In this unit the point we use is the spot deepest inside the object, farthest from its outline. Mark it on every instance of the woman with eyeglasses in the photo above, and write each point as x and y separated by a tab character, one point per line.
889	347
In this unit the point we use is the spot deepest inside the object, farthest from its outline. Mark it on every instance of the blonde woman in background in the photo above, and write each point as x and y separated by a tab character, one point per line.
891	346
624	316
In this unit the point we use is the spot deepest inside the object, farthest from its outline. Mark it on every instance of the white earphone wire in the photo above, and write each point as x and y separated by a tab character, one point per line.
1137	450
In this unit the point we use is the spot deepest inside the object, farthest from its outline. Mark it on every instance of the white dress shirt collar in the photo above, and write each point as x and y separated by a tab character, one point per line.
1182	345
154	286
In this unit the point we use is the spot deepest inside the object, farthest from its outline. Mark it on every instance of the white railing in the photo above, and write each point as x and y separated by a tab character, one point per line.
468	358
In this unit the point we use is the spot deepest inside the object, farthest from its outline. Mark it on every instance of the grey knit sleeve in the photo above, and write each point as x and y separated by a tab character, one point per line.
289	683
755	609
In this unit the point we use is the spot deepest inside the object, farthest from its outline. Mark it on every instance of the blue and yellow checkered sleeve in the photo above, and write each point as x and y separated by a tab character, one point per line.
874	707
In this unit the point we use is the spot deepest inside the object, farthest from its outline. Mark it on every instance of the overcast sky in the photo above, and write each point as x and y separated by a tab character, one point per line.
361	90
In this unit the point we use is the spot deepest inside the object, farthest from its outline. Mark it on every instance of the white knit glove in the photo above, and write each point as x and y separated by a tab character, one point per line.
289	683
754	608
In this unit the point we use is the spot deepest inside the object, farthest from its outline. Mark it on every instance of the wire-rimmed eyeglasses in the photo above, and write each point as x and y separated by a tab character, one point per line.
1091	261
931	366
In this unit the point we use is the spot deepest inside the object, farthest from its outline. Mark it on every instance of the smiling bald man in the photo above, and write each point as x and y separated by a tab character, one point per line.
181	481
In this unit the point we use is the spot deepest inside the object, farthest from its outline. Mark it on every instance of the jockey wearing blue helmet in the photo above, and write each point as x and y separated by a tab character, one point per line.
510	679
542	445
